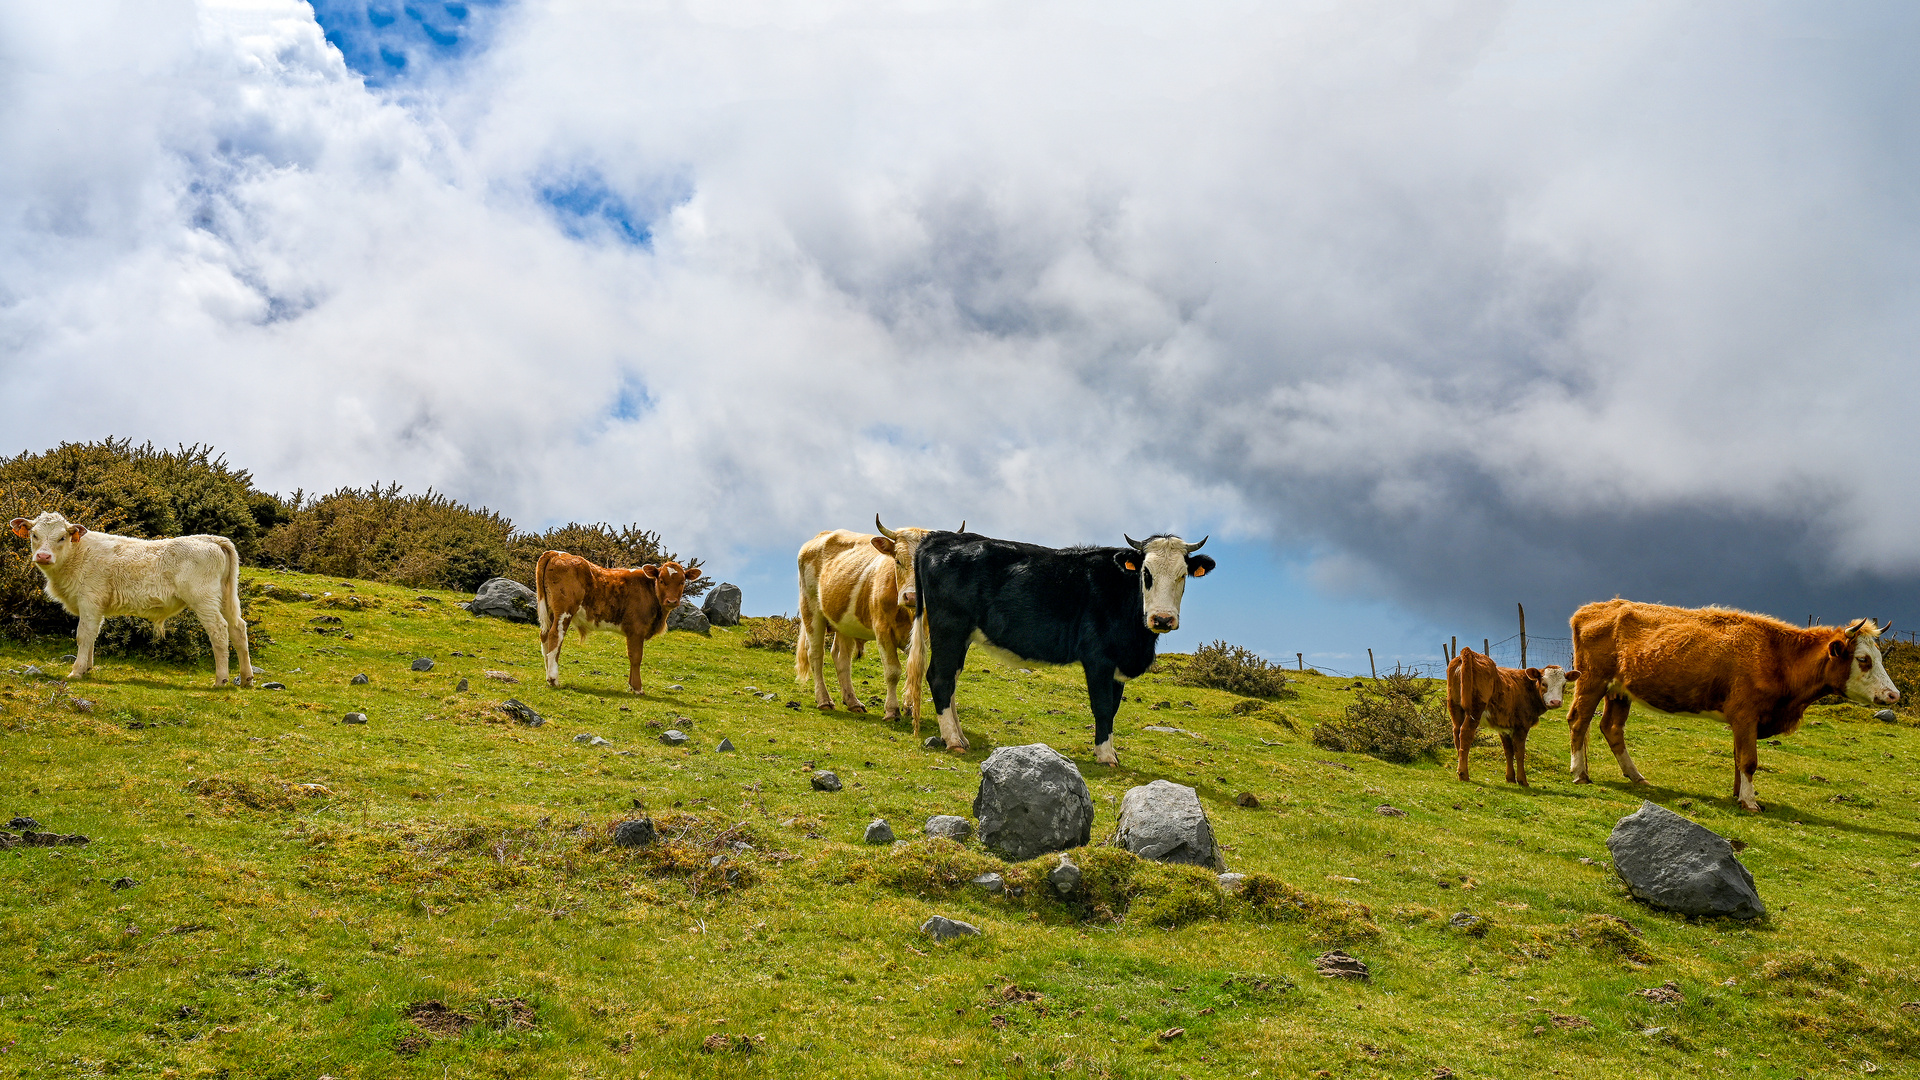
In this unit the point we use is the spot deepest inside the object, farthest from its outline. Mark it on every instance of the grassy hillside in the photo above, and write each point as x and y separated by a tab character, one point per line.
270	892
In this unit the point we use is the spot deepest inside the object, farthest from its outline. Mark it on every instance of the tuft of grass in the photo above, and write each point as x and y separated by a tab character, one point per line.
1398	719
1237	670
778	632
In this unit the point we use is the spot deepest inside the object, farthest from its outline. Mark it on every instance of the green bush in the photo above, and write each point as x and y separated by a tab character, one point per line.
1237	670
379	533
1398	718
149	492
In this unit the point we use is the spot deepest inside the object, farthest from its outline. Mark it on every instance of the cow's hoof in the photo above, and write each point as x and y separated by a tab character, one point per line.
962	748
856	708
553	684
826	706
1751	808
890	716
1581	780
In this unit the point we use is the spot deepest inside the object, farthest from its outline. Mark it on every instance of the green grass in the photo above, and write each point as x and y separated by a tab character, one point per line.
452	855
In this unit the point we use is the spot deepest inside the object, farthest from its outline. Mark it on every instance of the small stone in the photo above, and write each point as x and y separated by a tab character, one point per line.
123	883
1468	921
67	659
273	686
825	781
1064	877
793	705
425	663
636	833
878	832
993	883
725	747
675	686
32	672
81	704
674	737
1887	716
23	823
461	686
1232	882
942	928
935	742
358	680
1248	800
522	712
1389	811
354	718
1338	965
957	829
590	739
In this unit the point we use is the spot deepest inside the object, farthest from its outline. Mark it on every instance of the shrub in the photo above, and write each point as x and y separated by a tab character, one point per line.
772	632
1237	670
420	541
601	544
23	596
1400	718
1902	659
150	492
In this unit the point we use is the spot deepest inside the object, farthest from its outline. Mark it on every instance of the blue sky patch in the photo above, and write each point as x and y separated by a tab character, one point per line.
389	40
588	208
633	401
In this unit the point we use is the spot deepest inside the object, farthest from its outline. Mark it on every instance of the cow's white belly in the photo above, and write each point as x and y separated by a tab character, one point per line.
579	623
1006	656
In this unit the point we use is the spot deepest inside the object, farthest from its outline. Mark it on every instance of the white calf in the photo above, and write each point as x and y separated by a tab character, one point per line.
95	575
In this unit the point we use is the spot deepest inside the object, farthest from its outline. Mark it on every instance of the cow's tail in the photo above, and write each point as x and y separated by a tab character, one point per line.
540	606
230	609
916	661
802	666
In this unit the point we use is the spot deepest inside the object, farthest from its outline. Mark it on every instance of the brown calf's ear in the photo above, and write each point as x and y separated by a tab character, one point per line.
1837	649
1573	676
884	545
1536	674
650	572
693	573
21	527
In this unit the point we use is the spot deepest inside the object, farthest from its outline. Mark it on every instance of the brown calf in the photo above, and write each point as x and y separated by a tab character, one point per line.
570	592
1508	700
1755	673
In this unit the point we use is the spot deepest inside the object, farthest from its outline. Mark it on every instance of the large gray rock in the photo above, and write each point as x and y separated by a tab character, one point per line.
1672	863
688	617
1032	801
1165	822
723	605
504	598
951	826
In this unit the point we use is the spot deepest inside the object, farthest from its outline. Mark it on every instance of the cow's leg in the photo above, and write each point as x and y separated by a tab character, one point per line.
237	632
1104	691
1746	759
1520	757
215	624
551	638
88	630
1613	724
843	648
1464	728
636	648
889	647
817	658
1587	693
947	653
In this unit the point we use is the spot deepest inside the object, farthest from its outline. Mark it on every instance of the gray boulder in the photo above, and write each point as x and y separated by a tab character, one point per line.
688	617
879	832
504	598
674	737
1032	801
354	718
1065	877
1165	822
425	663
993	883
1887	716
357	680
825	781
1672	863
942	928
723	605
957	829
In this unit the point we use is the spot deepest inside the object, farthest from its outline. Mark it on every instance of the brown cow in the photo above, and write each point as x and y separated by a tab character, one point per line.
859	586
569	591
1508	700
1754	672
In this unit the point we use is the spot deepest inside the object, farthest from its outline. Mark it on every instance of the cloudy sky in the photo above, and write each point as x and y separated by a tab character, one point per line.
1420	310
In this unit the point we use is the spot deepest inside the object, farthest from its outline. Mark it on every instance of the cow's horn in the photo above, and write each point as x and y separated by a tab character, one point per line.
884	531
1134	544
963	526
1191	548
1884	629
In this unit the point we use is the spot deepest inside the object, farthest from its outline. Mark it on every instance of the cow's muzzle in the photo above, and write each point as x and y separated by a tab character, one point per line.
1161	624
909	599
1887	697
44	558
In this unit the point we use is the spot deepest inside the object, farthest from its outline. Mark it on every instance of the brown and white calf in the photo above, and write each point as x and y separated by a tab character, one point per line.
571	593
1754	673
97	575
860	586
1508	700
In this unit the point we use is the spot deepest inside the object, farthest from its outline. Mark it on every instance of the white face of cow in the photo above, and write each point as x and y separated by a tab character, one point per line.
1553	684
1164	564
1868	682
51	537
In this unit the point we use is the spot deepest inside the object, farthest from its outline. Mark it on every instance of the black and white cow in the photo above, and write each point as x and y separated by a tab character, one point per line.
1103	607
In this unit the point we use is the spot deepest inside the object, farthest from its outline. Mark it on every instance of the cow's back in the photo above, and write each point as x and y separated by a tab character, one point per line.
852	581
126	575
1473	681
1679	660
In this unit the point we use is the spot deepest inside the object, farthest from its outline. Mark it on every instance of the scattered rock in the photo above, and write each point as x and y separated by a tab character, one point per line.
934	742
673	686
425	663
81	704
505	598
590	739
943	928
1248	800
688	617
40	839
725	747
879	832
273	686
1338	965
1065	877
1673	863
326	620
825	781
1165	822
957	829
461	686
23	823
993	883
66	658
1032	801
1232	882
522	712
122	883
1471	923
723	605
32	672
638	832
1887	716
1668	994
674	737
793	705
354	718
358	680
500	676
1389	811
1173	731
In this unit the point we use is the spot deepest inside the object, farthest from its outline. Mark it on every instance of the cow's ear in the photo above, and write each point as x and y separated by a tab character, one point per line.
1126	560
21	527
650	572
1536	674
1199	565
693	573
1573	676
1837	649
883	545
76	531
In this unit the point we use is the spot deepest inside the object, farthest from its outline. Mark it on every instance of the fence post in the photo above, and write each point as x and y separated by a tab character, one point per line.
1370	665
1523	634
1486	645
1301	659
1453	649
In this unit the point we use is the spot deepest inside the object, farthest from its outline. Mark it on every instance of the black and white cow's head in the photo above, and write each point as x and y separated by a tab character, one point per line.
1163	563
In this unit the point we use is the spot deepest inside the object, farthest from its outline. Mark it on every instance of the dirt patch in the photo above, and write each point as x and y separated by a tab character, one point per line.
434	1018
511	1014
